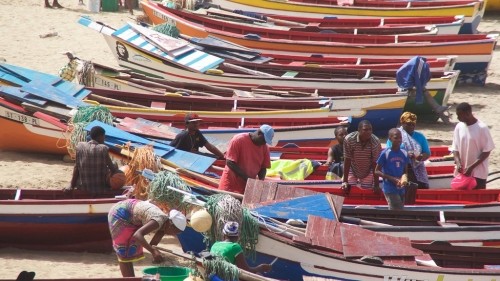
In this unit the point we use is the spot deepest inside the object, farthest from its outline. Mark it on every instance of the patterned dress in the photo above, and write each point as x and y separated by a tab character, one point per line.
124	219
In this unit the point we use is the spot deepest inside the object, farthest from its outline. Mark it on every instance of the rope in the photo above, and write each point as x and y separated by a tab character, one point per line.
142	158
220	267
224	208
159	192
76	133
86	74
167	29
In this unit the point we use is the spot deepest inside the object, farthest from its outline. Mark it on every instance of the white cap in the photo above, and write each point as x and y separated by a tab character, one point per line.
178	219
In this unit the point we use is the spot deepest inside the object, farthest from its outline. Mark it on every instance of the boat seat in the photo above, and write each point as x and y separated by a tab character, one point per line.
158	105
290	74
18	194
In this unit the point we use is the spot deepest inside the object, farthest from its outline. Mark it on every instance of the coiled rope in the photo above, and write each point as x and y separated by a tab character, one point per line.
167	29
220	267
76	126
224	208
86	74
159	191
142	158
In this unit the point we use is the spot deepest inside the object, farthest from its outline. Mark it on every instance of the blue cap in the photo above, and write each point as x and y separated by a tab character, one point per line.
268	132
231	228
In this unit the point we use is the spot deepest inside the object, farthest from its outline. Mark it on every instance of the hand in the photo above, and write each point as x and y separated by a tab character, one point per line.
265	267
157	256
468	171
346	188
327	163
459	168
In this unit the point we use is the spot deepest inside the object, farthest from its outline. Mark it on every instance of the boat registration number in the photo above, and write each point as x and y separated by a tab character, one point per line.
106	83
21	118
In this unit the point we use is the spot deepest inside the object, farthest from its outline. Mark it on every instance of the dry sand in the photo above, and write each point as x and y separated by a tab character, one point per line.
22	23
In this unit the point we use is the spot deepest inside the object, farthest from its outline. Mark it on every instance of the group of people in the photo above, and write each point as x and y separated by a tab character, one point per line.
358	158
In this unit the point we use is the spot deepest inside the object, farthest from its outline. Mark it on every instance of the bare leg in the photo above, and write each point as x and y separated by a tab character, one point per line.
439	109
127	269
128	3
56	4
47	5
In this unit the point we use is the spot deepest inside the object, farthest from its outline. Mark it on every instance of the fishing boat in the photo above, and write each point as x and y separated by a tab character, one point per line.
472	10
335	250
115	85
466	47
145	57
492	6
65	221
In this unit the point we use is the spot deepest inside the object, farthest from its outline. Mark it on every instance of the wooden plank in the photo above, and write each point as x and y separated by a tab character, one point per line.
45	91
358	242
17	94
324	233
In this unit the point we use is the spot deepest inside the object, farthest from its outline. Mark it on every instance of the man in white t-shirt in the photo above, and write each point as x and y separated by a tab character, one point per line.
472	144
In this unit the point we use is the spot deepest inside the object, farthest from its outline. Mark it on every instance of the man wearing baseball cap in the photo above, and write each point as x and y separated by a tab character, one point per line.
247	157
191	139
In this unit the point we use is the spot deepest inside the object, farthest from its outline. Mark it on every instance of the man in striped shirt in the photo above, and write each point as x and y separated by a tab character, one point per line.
361	151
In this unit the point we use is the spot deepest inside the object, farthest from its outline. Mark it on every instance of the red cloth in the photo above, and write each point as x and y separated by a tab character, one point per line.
249	157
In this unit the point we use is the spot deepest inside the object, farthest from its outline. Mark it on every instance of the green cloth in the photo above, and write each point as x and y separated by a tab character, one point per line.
227	250
291	169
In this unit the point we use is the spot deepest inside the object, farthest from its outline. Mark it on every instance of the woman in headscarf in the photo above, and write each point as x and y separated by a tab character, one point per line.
231	250
130	220
415	143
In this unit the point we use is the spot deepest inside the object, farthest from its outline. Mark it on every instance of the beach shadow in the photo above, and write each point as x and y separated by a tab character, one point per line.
488	89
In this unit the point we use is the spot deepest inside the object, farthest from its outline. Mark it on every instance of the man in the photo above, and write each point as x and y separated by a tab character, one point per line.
472	144
247	157
413	77
392	166
93	165
361	150
191	139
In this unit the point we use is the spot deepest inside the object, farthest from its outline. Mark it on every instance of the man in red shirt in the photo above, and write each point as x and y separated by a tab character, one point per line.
247	157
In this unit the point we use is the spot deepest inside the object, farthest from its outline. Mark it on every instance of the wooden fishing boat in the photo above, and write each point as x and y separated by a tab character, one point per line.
445	25
472	10
193	66
466	47
133	87
330	249
381	110
358	196
492	6
221	16
72	221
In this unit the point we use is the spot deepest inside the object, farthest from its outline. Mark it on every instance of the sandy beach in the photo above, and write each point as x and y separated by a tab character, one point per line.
24	21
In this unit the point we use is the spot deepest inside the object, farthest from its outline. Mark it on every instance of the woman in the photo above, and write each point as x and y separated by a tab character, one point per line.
130	220
415	143
230	250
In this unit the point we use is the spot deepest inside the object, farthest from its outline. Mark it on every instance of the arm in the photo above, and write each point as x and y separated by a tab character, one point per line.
330	158
379	173
241	262
458	162
214	150
150	226
236	169
483	156
74	178
347	167
376	183
262	173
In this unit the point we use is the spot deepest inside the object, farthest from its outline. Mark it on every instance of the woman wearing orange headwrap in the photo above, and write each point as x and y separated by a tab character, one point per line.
418	149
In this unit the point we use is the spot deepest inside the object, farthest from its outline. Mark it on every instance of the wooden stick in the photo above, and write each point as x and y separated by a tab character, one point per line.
243	274
116	102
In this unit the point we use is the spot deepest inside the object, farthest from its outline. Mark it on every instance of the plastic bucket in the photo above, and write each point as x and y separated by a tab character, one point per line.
110	5
94	6
168	273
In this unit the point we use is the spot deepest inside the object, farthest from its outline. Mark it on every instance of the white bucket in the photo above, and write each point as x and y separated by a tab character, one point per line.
94	6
